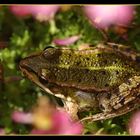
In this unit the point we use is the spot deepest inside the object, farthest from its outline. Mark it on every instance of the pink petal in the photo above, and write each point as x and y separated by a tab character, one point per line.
134	124
21	117
67	41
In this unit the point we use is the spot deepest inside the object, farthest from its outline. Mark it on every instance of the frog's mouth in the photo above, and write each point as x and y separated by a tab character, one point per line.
33	76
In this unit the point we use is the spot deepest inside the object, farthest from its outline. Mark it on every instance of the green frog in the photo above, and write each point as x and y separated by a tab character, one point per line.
105	77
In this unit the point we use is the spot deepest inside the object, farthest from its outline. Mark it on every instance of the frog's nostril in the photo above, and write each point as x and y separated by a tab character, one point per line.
23	63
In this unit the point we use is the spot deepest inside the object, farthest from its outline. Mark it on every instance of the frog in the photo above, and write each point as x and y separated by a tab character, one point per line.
103	77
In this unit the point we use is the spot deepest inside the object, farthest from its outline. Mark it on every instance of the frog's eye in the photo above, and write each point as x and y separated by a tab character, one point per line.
48	52
47	47
51	53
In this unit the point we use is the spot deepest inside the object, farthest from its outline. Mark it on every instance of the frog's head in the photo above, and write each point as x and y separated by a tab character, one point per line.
38	61
33	65
30	63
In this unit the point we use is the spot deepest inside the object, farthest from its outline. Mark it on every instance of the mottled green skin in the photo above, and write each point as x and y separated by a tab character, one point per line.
89	69
83	75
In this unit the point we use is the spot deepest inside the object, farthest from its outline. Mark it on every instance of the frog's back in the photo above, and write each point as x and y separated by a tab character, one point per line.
95	69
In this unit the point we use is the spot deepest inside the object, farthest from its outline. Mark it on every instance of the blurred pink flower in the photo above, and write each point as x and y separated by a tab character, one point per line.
22	117
44	12
62	123
20	11
2	131
66	41
46	119
40	12
134	124
105	15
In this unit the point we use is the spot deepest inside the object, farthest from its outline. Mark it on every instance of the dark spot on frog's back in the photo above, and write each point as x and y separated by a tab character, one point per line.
87	58
86	71
117	72
105	61
98	55
103	72
94	78
78	63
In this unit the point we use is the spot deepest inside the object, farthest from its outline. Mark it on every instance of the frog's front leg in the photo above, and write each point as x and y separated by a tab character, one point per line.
71	108
120	101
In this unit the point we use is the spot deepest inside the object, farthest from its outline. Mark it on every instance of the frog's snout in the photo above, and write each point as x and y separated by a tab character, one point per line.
23	64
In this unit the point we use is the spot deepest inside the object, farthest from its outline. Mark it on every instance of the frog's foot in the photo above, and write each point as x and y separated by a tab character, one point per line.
72	109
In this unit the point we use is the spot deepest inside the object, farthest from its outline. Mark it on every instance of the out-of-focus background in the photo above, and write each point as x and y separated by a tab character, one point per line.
27	29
